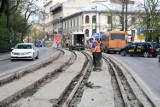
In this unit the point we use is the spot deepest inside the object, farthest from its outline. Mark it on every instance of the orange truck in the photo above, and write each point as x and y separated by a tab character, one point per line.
114	41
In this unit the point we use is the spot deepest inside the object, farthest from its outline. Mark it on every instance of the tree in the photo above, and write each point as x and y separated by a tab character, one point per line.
28	8
18	8
8	7
151	17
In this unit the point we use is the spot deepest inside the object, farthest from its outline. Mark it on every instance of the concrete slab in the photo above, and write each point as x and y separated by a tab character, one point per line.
13	88
46	96
102	94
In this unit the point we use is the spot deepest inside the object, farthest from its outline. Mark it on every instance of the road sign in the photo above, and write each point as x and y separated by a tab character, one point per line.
141	30
151	29
140	37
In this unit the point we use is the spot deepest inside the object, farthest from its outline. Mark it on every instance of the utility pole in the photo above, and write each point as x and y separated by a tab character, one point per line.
126	14
96	18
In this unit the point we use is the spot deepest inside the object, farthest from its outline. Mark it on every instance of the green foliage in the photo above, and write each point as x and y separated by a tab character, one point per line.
19	25
3	30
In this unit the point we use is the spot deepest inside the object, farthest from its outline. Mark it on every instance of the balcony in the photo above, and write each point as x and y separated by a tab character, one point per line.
56	7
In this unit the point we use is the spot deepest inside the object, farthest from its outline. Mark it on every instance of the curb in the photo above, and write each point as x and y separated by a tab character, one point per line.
150	95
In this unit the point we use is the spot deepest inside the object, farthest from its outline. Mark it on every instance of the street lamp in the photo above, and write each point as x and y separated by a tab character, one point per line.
126	20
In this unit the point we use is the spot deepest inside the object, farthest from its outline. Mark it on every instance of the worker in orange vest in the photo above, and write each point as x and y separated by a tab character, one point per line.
97	54
67	43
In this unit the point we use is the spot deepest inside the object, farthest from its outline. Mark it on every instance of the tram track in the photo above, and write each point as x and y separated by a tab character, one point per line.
131	94
19	87
127	93
17	74
58	98
62	83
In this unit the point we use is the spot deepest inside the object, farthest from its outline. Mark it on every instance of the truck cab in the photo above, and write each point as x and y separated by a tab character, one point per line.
78	41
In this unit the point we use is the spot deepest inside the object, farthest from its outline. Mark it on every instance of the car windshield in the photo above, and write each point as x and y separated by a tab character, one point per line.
155	45
117	37
22	46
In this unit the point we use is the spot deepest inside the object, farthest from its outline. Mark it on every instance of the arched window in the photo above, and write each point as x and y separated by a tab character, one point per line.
94	19
87	32
87	19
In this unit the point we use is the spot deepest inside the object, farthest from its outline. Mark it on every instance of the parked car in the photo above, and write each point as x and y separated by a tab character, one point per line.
155	46
159	57
139	48
38	43
24	51
128	43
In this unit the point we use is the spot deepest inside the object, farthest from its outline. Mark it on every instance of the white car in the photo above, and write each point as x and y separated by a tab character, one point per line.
25	51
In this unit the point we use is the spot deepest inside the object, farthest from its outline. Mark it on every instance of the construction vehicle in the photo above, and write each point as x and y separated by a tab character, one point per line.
78	41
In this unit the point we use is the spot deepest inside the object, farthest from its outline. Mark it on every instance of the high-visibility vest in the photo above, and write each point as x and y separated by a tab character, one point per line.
98	48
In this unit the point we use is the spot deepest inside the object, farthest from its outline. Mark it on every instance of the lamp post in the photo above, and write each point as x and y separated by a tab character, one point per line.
126	14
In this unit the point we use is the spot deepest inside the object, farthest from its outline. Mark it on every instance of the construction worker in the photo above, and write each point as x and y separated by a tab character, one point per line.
67	43
96	52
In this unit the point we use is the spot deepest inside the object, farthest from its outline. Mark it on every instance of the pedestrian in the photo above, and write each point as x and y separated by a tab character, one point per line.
57	42
96	53
67	43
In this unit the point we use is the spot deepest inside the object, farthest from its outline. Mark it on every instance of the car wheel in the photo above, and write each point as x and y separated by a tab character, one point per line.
123	53
154	55
146	54
33	57
37	57
12	60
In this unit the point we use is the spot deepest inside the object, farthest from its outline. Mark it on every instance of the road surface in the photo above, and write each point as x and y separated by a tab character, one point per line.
7	65
148	69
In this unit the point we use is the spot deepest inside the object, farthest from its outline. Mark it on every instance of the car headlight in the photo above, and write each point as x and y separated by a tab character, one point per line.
29	52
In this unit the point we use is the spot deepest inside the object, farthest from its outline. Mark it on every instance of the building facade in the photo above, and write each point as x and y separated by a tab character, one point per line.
92	17
48	28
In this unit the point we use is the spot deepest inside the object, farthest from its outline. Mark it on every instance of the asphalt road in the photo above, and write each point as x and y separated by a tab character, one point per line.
7	65
148	69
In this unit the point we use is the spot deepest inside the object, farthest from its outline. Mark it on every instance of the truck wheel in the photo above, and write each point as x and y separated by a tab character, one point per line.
123	53
107	51
146	54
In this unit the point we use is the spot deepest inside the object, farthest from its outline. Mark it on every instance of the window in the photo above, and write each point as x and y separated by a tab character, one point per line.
93	31
71	23
117	37
133	32
74	23
87	19
109	19
109	30
94	19
87	32
77	21
65	25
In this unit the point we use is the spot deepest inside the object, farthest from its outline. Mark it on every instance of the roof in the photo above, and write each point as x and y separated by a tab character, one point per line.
107	6
25	44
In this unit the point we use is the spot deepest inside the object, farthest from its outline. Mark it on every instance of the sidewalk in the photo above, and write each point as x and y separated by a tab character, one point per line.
4	56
